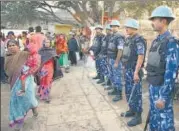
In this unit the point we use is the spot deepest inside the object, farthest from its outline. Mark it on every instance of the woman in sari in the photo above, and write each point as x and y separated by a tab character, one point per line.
47	70
20	76
62	50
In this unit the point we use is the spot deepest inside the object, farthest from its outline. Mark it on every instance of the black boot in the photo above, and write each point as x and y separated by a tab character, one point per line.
108	82
103	84
109	88
129	113
96	77
118	96
101	80
113	92
136	120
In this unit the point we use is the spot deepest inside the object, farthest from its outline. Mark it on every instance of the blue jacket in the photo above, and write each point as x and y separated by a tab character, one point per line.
72	45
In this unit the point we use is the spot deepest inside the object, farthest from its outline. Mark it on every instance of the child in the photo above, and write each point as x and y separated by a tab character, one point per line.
30	67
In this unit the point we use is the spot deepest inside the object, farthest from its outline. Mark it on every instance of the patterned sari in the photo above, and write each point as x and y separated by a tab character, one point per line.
46	72
20	105
46	78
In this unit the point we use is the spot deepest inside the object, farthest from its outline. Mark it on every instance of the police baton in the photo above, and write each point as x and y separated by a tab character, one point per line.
147	121
108	70
130	98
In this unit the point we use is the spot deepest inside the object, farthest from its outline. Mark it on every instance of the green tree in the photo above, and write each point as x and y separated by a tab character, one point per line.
138	9
19	12
84	12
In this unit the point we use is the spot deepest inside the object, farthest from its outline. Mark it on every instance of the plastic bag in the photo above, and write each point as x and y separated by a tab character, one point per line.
77	56
90	63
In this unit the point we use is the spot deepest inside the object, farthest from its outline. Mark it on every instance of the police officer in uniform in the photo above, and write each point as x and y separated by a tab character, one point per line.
104	70
96	47
114	54
133	60
161	71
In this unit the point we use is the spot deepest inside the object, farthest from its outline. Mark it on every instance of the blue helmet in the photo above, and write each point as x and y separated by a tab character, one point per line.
162	11
115	23
132	23
108	27
99	27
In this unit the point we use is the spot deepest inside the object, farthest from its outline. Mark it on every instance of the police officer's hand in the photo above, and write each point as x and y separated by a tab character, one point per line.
160	104
136	77
116	65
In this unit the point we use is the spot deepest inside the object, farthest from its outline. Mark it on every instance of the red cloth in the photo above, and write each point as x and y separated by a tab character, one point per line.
38	39
46	77
61	44
33	61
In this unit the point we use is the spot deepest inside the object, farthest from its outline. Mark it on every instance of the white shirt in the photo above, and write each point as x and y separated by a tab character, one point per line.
2	49
21	45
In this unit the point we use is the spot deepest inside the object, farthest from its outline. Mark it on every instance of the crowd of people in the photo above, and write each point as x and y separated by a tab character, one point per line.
35	58
117	55
31	59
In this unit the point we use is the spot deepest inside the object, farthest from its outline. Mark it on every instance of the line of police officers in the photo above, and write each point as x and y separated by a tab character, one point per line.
113	52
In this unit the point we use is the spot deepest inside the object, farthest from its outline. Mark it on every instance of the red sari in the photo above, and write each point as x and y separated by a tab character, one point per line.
46	78
61	44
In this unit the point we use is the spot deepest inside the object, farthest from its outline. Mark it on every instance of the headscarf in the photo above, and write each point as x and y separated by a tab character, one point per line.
38	39
61	44
60	39
14	62
46	54
32	47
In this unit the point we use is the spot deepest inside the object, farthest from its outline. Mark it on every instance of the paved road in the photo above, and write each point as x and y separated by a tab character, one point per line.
78	104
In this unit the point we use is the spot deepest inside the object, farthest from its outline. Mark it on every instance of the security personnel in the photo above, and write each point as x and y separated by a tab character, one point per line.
96	47
104	70
161	71
133	60
114	54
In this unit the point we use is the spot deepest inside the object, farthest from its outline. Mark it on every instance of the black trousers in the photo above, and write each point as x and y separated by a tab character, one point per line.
3	74
81	55
72	56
